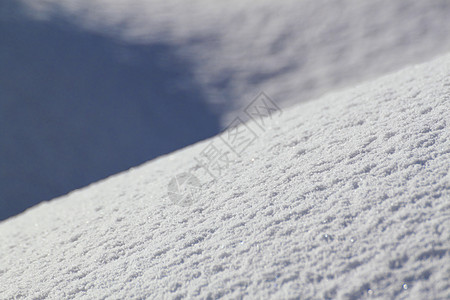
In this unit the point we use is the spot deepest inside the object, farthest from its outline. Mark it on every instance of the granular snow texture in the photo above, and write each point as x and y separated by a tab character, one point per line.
346	197
89	88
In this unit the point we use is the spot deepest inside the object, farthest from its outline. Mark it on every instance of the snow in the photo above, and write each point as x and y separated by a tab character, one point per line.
344	197
93	87
294	50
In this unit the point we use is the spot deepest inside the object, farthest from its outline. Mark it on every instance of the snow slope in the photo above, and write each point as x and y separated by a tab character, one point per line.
90	88
294	50
346	197
74	109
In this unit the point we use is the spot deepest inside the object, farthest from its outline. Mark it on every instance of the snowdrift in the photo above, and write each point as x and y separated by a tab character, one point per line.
90	88
345	197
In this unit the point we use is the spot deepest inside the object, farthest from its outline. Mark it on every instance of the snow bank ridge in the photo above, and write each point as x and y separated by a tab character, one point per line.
346	197
217	156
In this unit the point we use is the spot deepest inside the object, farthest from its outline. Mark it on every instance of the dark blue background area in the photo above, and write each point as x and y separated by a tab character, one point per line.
76	107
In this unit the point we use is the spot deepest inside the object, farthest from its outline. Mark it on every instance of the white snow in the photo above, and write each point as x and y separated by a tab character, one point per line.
90	88
294	50
345	197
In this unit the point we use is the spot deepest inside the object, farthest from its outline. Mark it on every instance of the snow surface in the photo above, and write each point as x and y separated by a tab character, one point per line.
294	50
345	197
92	87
